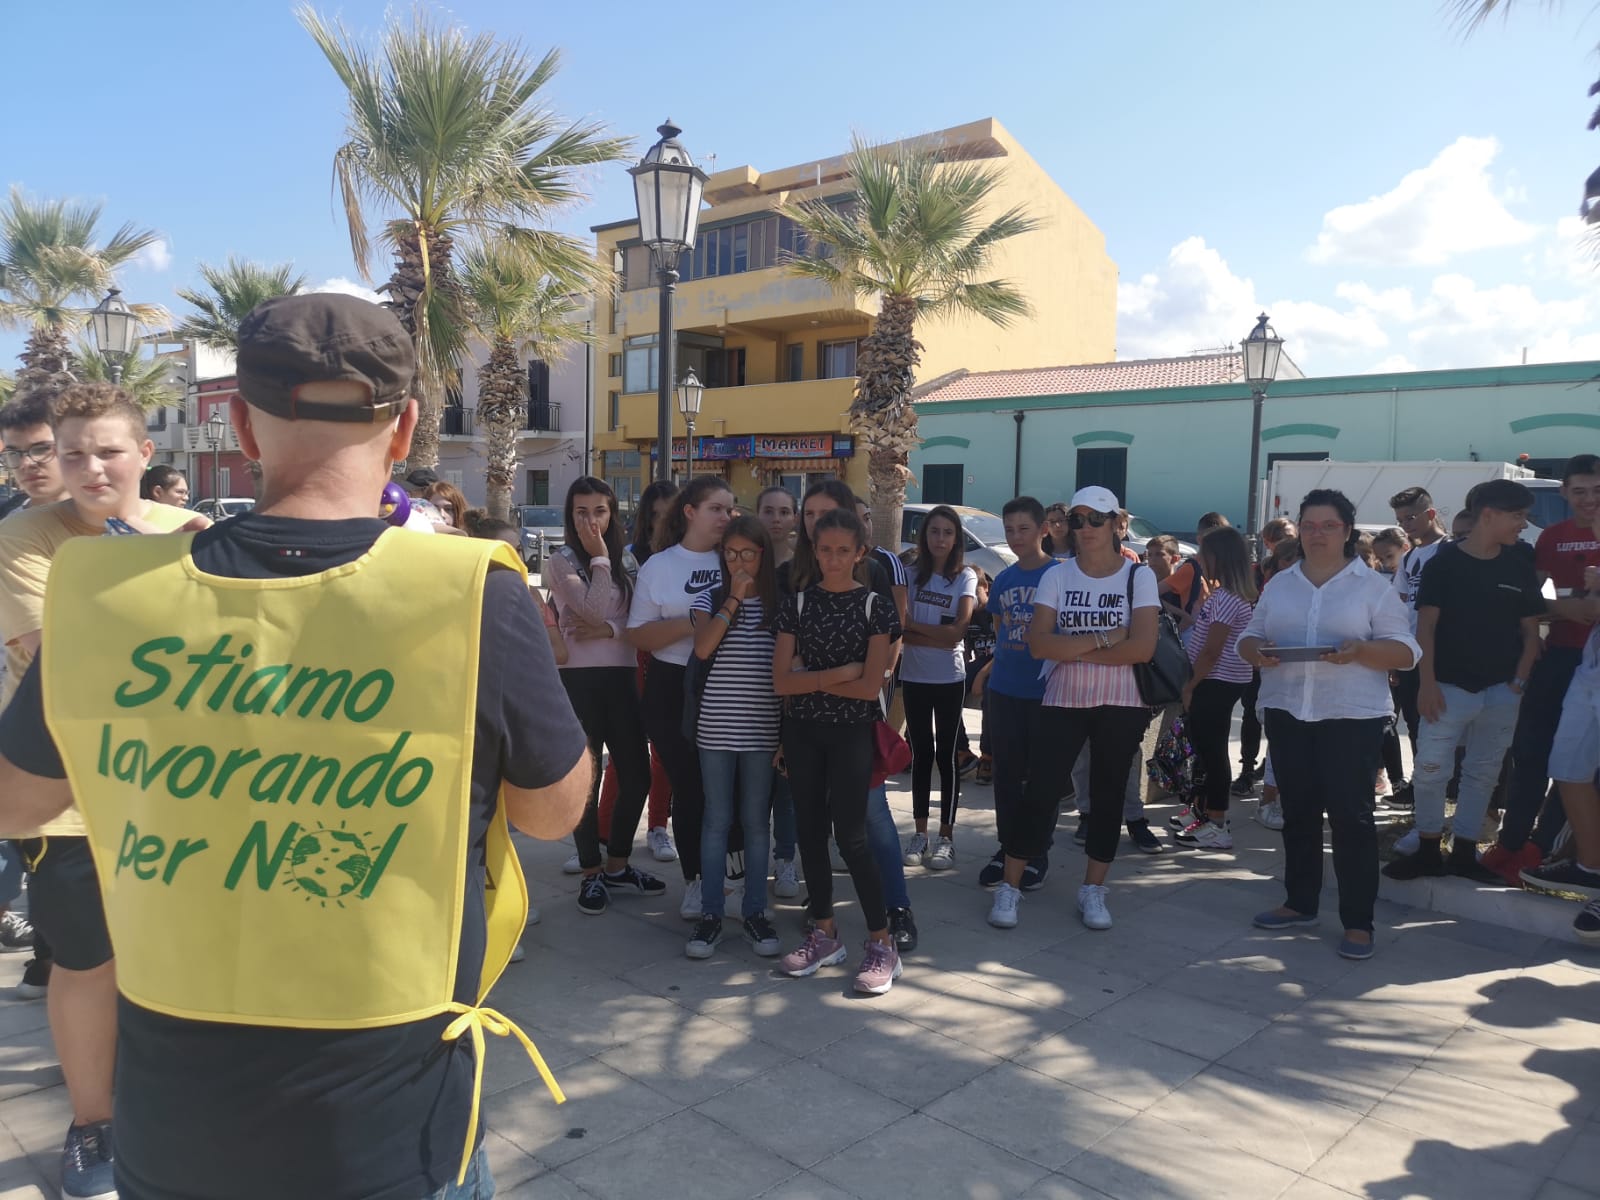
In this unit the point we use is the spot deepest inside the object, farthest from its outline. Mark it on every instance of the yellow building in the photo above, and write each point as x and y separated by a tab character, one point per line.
777	352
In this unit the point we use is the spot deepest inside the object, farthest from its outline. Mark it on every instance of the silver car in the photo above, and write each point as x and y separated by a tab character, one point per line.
544	529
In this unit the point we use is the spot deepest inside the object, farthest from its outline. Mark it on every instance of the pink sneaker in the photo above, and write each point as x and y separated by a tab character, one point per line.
880	967
818	950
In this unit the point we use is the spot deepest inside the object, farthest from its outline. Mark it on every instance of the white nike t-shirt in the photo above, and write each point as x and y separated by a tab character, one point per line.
667	586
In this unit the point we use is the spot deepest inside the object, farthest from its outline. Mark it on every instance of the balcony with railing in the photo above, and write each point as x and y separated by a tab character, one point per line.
539	420
805	406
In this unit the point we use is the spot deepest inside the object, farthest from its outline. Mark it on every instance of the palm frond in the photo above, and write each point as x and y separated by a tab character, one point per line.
230	292
148	380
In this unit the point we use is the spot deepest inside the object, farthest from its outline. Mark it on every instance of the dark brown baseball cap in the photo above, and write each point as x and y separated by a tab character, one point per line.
318	337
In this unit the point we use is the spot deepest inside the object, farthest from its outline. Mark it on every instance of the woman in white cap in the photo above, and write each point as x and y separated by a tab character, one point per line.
1094	617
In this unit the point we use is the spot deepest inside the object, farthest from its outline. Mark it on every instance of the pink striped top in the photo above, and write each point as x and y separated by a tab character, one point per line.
1084	604
1223	608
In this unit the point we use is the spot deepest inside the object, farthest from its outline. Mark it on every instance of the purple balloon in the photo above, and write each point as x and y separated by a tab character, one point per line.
395	507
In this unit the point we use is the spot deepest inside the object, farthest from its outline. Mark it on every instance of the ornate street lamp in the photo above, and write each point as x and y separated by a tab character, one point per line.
690	392
1262	350
116	331
216	434
667	188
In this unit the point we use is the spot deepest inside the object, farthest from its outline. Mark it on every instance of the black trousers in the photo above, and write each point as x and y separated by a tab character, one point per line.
830	771
1404	691
1250	727
1327	767
1008	724
1530	752
1209	719
1057	738
606	701
933	726
663	721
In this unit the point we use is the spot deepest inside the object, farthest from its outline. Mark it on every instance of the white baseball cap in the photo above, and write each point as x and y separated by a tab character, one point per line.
1095	499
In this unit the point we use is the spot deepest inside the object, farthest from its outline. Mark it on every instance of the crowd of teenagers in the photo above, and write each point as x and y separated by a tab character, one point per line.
740	677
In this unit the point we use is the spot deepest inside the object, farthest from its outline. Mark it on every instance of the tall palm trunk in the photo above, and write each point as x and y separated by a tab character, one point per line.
407	288
47	360
502	405
882	417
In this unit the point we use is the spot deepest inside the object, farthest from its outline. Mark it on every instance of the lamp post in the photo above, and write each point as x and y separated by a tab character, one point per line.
116	331
690	392
667	188
216	434
1262	350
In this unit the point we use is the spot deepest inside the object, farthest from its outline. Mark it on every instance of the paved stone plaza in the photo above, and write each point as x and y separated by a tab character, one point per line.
1181	1054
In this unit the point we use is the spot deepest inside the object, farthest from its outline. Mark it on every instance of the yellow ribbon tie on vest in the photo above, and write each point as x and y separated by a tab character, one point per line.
276	776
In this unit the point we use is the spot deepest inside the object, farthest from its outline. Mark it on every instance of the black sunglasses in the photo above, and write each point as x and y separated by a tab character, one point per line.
1079	520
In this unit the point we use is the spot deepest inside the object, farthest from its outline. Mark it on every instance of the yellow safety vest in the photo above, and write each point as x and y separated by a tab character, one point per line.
275	776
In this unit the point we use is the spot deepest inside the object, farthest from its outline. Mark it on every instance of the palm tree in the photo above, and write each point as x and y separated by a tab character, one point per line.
52	266
515	305
8	387
918	238
147	380
449	134
230	293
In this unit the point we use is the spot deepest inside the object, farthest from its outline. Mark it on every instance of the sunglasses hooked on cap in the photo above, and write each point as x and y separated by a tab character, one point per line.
289	342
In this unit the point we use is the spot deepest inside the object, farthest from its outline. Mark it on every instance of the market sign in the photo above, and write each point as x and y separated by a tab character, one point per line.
794	445
714	448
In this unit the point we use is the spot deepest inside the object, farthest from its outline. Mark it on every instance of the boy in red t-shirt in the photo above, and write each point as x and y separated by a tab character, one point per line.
1562	553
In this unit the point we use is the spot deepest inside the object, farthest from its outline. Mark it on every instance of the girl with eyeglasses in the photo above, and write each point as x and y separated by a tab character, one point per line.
736	730
1325	718
1094	617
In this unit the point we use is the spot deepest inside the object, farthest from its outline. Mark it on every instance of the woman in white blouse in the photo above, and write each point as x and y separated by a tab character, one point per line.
1325	718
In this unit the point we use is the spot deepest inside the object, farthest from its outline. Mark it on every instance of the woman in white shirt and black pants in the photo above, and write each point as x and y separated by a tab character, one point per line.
1325	719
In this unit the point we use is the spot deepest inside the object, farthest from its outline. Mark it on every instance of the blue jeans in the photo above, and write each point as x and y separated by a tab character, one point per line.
743	777
783	832
1483	722
883	839
479	1184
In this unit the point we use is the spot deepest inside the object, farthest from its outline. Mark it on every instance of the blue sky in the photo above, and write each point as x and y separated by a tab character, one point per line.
1393	191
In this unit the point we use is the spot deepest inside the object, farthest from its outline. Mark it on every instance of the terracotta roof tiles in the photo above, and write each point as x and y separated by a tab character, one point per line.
1189	371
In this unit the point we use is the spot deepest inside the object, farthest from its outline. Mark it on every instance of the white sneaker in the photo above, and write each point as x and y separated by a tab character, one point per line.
533	915
1004	913
691	909
1211	836
1092	904
916	850
661	846
1270	814
1409	843
785	882
944	855
572	866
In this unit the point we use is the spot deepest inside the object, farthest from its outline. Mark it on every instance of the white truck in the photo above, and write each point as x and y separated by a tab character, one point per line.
1370	484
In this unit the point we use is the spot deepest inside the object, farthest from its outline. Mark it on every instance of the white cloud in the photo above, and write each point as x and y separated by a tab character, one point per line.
157	256
348	287
1195	301
1449	207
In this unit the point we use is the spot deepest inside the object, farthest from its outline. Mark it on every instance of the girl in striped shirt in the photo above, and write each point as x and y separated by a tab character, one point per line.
1220	677
736	731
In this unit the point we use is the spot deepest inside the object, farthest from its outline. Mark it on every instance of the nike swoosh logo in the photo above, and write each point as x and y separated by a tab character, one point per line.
694	589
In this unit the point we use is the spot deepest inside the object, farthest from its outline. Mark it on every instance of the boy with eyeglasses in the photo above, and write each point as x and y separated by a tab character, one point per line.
30	451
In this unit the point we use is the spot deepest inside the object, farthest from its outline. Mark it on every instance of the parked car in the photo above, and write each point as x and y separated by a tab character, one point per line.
221	510
985	545
544	529
1141	531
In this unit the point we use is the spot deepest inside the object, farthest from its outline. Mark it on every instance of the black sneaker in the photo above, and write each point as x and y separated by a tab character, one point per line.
1081	833
1426	862
1034	873
1587	923
86	1162
1144	837
903	929
1242	787
1402	797
1564	877
593	898
642	882
16	935
993	871
35	979
1463	862
761	934
703	944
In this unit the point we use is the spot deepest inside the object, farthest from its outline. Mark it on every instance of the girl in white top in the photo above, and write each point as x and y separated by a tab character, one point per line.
933	678
685	563
1093	618
1325	719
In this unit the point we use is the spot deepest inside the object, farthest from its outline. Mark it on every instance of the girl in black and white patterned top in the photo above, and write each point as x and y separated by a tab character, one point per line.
834	645
736	731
